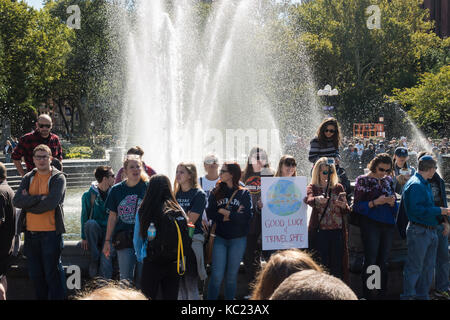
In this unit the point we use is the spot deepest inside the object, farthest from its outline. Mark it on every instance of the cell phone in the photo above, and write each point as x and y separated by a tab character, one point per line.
405	172
330	161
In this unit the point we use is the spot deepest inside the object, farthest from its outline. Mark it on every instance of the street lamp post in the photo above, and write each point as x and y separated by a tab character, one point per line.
327	91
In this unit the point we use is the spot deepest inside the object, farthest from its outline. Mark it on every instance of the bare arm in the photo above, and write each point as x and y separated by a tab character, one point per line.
18	164
112	220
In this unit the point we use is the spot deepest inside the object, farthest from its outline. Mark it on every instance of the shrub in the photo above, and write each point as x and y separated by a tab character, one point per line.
98	152
79	152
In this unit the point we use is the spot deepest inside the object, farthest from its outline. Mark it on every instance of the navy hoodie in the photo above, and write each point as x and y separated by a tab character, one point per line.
239	222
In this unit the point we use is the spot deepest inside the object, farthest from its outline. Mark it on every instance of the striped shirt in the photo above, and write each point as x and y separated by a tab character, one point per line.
317	151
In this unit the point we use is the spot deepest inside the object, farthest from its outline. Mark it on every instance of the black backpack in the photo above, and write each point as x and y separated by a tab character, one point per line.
165	247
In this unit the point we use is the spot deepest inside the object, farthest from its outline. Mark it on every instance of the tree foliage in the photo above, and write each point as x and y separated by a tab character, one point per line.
365	64
429	101
35	48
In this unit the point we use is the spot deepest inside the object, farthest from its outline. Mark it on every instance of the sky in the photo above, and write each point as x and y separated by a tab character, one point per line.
37	4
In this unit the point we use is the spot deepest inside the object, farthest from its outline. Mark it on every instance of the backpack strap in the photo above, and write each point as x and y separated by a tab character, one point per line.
231	199
180	252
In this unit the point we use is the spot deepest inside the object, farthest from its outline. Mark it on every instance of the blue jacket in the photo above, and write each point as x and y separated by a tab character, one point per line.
417	204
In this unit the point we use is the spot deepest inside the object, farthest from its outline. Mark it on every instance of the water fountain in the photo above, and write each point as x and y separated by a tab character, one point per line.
194	90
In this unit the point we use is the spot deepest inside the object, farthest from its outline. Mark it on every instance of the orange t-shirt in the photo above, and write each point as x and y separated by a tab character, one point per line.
44	221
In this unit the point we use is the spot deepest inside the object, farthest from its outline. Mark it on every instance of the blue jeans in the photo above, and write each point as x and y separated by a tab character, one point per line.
226	258
418	271
442	261
127	262
95	237
43	252
377	241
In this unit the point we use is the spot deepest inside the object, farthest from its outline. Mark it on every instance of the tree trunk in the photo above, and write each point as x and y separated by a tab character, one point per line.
63	117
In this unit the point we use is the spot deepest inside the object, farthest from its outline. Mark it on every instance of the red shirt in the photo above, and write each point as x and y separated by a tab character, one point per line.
31	140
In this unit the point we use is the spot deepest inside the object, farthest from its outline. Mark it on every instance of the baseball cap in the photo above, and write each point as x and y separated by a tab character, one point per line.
401	152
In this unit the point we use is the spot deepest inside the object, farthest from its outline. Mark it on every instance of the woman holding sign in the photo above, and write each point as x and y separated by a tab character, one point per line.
229	207
327	230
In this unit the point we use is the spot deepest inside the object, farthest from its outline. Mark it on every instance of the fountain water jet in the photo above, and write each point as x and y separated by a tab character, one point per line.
192	91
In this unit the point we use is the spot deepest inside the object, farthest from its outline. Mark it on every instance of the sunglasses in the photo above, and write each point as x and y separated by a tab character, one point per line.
211	162
290	164
45	126
223	171
384	170
325	172
330	130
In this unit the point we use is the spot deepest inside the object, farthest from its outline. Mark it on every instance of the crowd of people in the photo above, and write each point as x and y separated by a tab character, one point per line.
357	153
160	231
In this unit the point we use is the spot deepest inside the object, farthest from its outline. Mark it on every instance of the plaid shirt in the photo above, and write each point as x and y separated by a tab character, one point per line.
31	140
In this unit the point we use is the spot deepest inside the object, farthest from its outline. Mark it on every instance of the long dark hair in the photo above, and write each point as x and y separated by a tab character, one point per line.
248	171
158	199
235	170
321	132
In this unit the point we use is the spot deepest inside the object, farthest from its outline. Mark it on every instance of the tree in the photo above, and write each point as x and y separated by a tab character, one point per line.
94	84
35	48
429	101
365	64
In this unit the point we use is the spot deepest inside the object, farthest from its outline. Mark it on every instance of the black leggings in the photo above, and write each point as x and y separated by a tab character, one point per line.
163	276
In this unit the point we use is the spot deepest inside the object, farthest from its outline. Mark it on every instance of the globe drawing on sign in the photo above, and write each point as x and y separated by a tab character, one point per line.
284	198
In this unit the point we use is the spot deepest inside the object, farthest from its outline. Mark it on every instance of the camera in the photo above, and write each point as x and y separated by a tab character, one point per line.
330	161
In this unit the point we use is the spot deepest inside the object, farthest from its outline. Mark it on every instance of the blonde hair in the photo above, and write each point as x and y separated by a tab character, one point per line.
100	289
280	266
334	180
192	170
133	157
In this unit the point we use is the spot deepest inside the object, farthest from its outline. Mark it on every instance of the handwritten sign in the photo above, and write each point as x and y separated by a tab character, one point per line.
284	214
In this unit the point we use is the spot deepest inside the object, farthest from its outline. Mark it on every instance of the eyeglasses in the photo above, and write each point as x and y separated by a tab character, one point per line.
41	157
330	130
44	125
384	170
